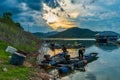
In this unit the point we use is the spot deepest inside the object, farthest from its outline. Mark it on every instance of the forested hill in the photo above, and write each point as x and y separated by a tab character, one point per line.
75	33
12	33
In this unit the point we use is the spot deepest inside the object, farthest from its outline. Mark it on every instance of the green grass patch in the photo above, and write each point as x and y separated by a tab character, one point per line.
3	55
13	72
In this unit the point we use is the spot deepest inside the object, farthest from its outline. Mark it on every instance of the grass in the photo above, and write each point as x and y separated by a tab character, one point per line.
3	55
18	38
14	72
11	33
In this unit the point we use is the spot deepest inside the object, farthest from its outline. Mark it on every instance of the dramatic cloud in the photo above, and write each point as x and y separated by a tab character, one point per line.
62	14
27	12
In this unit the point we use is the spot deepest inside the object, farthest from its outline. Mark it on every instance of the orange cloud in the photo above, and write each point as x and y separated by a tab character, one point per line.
58	19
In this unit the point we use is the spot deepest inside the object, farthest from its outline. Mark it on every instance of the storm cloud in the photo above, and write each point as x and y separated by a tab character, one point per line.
46	14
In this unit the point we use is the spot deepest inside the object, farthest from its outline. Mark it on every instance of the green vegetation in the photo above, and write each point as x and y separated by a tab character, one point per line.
11	33
13	72
3	54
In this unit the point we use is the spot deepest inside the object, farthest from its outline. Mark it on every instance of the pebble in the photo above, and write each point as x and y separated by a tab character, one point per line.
5	69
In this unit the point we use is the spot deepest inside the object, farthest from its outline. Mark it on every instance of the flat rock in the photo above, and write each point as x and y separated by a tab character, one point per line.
4	69
27	64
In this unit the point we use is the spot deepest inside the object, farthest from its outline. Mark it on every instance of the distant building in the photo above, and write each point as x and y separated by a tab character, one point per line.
106	36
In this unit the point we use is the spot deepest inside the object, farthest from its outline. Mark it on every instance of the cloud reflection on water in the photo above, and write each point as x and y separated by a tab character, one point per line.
106	67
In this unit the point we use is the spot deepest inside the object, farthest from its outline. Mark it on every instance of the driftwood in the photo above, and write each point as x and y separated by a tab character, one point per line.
22	52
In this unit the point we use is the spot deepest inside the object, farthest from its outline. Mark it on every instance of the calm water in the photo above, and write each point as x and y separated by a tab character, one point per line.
106	67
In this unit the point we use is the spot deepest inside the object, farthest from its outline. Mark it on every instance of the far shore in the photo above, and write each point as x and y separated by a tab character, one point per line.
90	39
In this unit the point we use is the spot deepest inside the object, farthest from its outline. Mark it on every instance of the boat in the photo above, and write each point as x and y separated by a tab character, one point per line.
118	41
66	64
77	63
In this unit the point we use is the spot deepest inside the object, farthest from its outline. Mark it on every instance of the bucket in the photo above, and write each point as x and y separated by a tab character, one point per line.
17	59
63	70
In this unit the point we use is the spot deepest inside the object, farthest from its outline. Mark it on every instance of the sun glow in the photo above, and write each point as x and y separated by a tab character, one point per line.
58	19
62	24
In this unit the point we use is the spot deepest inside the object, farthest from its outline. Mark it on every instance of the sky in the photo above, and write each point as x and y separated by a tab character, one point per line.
58	15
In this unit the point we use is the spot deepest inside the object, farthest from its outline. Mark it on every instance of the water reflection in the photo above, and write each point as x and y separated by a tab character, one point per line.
72	52
107	46
90	76
107	67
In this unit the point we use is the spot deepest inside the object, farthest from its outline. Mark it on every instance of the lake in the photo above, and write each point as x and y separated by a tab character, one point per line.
106	67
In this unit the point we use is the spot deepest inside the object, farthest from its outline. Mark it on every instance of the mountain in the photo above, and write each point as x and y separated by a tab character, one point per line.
75	33
39	34
13	34
45	35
